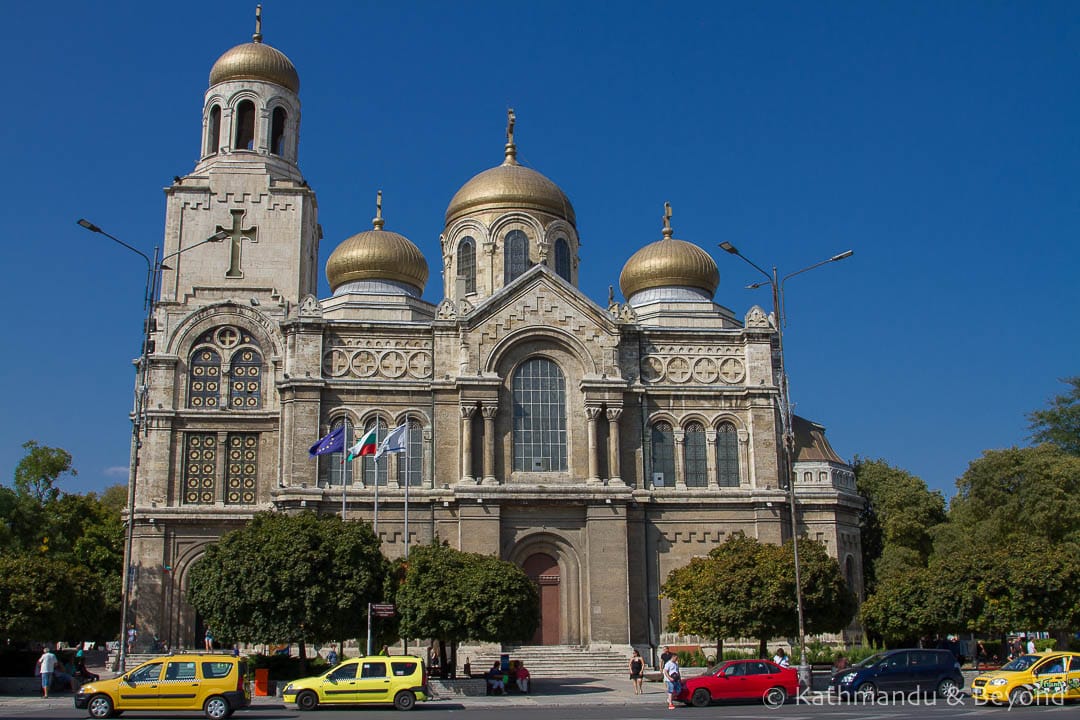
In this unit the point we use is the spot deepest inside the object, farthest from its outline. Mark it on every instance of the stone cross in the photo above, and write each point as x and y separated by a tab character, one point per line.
236	237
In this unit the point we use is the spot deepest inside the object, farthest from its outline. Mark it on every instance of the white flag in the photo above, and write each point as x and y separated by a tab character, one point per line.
394	441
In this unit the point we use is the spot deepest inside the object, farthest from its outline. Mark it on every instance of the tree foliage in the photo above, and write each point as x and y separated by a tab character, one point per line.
290	578
747	588
455	596
1060	422
47	598
898	520
37	473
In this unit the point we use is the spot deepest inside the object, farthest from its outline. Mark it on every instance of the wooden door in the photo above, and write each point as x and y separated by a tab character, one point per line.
544	571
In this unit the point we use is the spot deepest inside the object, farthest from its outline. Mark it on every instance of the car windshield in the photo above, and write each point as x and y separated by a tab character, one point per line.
870	661
1021	663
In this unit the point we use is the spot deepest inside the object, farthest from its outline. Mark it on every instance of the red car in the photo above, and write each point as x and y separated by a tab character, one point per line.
741	680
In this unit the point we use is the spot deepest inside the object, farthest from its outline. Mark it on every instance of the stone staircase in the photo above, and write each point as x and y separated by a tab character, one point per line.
564	660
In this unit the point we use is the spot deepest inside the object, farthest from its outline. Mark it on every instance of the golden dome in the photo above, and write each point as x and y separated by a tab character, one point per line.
256	61
377	255
510	187
669	263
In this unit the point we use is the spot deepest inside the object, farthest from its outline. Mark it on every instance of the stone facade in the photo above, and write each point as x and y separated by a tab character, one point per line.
658	434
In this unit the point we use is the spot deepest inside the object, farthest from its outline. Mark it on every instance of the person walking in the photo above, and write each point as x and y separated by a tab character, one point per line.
637	668
132	636
46	666
208	640
672	680
781	658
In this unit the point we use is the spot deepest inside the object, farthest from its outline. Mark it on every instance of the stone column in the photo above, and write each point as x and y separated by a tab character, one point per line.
613	446
467	412
592	412
489	443
680	458
744	458
712	478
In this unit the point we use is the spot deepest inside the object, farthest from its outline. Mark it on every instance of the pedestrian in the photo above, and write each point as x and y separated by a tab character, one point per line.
385	651
665	656
132	636
841	663
637	667
81	673
331	657
781	658
1031	646
208	640
46	666
468	668
672	679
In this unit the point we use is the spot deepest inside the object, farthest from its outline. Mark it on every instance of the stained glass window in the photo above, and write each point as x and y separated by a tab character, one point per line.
245	387
242	468
515	255
200	468
727	455
696	473
539	394
466	264
663	454
204	378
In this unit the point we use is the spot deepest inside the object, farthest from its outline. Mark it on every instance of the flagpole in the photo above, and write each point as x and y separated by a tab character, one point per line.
344	478
407	431
376	463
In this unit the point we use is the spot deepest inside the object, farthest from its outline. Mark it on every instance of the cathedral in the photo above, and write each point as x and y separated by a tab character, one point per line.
596	445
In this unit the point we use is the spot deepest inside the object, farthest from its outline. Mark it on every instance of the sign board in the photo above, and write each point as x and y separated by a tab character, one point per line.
382	610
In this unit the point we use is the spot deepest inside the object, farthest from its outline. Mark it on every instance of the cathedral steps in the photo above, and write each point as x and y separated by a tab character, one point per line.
564	660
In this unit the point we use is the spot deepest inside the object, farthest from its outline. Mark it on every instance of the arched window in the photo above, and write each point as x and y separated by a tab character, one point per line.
368	461
539	394
696	473
412	467
466	264
245	387
515	255
727	456
663	455
213	131
244	137
562	259
204	378
330	465
277	132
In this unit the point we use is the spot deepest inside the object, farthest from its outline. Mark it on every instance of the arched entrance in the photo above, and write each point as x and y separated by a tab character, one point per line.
543	570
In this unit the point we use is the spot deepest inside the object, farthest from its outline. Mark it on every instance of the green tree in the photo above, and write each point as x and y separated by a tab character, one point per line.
454	596
46	598
1060	422
747	588
900	515
37	473
290	578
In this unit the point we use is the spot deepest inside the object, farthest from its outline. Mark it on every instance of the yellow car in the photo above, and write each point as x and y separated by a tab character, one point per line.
215	684
397	679
1047	677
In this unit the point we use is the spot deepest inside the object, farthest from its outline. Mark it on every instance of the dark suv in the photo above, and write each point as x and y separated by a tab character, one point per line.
901	671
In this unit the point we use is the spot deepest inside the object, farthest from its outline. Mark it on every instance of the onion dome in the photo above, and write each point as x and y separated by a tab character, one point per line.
256	61
669	263
377	254
510	187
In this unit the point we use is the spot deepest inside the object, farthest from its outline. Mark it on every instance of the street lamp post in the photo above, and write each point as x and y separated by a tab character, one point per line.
154	268
788	471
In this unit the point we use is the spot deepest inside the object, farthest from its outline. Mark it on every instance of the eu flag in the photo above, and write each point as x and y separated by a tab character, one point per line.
332	443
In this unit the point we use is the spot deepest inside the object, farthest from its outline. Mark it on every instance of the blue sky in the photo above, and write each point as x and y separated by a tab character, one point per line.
937	140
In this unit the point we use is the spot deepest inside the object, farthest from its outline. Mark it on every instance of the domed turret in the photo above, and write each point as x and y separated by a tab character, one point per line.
669	263
510	187
375	255
256	61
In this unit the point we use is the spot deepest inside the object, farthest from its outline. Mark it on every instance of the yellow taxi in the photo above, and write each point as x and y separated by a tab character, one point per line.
215	684
397	679
1037	677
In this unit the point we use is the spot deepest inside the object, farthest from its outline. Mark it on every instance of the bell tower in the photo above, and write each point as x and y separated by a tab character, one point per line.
247	184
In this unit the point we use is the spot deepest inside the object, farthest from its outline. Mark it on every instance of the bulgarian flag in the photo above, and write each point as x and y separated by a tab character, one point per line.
366	445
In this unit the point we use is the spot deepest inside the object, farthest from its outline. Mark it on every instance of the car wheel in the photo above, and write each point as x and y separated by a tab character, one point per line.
216	708
307	700
404	700
948	688
775	697
700	698
100	706
1021	696
866	691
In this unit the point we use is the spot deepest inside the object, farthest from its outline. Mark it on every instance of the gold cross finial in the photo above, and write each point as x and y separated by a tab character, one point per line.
378	221
667	221
511	148
257	37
